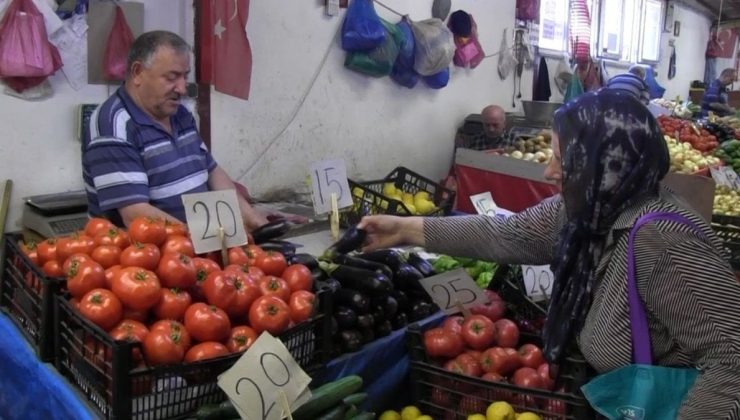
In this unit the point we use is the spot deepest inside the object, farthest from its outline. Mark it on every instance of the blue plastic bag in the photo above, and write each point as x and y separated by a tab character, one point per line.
656	90
377	62
403	71
438	80
362	29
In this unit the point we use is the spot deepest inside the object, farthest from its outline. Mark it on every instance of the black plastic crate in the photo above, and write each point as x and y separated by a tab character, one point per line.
27	297
448	395
730	235
120	388
368	197
528	314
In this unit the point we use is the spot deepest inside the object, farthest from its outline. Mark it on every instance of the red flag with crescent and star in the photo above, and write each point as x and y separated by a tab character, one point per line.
225	54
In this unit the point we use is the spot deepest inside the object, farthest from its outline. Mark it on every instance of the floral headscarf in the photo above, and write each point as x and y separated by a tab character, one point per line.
613	155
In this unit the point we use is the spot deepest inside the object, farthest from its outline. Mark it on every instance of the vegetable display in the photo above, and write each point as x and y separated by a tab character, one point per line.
481	271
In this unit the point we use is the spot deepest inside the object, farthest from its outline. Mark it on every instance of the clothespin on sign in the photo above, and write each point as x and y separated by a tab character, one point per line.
224	251
286	406
334	217
465	311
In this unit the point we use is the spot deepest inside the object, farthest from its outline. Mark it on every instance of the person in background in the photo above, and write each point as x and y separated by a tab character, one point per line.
609	158
632	82
493	135
715	97
143	150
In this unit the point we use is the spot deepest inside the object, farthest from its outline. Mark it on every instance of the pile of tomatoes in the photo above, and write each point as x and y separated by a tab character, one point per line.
147	285
685	131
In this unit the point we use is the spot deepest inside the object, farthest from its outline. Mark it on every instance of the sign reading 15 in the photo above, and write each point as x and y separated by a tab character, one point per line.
329	177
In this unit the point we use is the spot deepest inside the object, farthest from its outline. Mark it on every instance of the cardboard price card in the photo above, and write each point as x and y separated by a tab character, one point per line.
327	177
207	213
538	281
484	203
453	288
266	382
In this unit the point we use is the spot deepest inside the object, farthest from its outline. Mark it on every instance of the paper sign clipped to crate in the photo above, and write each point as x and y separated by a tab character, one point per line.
484	203
453	288
327	177
265	380
726	176
207	212
538	281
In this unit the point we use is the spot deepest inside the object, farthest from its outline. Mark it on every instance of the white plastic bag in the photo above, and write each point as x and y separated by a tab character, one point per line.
434	46
506	60
563	74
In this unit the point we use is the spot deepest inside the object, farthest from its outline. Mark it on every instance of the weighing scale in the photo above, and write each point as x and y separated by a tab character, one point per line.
56	214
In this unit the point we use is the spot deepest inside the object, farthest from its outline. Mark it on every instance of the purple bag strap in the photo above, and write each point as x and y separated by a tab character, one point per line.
641	347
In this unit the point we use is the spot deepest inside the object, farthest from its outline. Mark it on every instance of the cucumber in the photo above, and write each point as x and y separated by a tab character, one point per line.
364	416
327	396
355	399
351	412
216	411
336	413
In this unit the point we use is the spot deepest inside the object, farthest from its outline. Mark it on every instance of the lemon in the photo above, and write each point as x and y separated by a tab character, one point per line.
527	415
476	417
500	410
424	417
411	208
410	412
423	195
389	189
390	415
424	206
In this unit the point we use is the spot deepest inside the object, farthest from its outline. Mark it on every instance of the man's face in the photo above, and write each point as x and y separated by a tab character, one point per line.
494	125
728	79
160	86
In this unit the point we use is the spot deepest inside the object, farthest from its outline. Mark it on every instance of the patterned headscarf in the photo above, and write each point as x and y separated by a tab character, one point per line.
613	155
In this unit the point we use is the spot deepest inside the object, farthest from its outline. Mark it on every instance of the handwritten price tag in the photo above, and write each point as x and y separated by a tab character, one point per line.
726	176
260	378
327	177
454	288
484	203
538	281
207	212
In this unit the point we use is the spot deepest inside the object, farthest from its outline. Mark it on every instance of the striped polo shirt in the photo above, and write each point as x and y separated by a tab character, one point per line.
630	83
127	158
715	93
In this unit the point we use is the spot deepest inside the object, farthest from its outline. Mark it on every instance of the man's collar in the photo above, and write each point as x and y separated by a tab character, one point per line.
138	114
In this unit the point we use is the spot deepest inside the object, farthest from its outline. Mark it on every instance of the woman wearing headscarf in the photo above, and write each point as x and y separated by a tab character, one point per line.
609	158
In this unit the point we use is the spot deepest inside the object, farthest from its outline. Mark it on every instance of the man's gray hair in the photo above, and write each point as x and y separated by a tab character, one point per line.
147	44
638	71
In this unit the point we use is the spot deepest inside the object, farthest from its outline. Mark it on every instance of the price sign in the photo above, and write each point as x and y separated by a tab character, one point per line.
725	176
207	212
327	177
264	380
484	203
454	288
538	281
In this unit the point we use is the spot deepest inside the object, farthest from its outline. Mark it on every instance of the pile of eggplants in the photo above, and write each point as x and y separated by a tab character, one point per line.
374	292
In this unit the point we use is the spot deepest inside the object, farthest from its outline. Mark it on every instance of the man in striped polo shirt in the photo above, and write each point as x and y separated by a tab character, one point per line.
632	82
715	97
143	150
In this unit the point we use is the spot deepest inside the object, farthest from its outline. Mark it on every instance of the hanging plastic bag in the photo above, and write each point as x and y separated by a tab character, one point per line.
655	89
439	80
25	50
379	61
434	46
563	74
403	69
120	38
574	90
528	10
362	29
506	60
468	51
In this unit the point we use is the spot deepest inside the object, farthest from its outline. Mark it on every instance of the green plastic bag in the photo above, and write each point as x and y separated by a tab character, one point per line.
379	61
574	89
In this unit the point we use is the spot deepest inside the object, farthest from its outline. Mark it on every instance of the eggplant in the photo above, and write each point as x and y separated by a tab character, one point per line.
318	275
387	303
424	266
359	279
346	317
407	277
401	299
400	320
333	326
351	240
306	259
350	340
420	295
283	247
365	321
271	230
393	259
420	310
329	283
378	314
383	329
353	299
364	264
368	335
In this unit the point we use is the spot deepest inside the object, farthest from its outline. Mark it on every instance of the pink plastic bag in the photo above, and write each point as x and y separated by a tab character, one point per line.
120	39
25	50
468	51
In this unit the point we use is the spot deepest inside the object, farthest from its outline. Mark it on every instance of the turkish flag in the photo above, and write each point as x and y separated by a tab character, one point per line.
225	54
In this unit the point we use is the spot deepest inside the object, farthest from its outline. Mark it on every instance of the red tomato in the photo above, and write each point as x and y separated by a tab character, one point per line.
147	230
478	332
174	228
52	268
253	252
500	360
238	256
97	225
269	313
453	324
493	310
204	351
439	342
176	270
272	263
47	251
465	364
137	288
131	331
531	356
241	338
101	307
298	277
493	377
83	277
172	304
107	255
203	267
528	378
271	285
163	348
544	371
507	333
173	328
134	315
110	273
75	244
301	305
72	259
247	291
219	288
113	236
176	243
555	408
207	322
253	271
141	255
